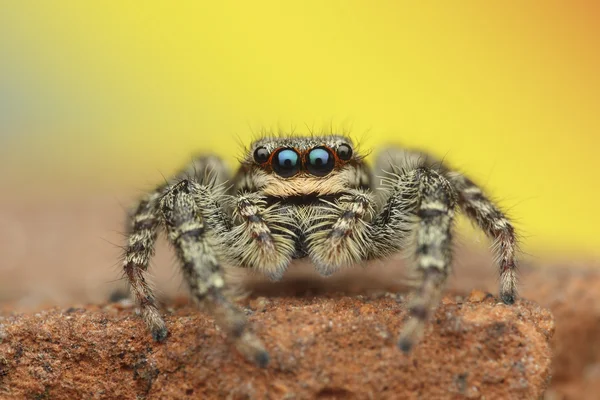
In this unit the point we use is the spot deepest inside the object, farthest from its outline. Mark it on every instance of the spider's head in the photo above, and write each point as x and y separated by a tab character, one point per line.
299	166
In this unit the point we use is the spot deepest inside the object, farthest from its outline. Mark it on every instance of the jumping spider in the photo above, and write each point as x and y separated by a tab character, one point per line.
297	197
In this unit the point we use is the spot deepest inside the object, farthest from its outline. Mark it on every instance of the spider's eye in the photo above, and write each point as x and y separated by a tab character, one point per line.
286	162
261	155
320	161
344	152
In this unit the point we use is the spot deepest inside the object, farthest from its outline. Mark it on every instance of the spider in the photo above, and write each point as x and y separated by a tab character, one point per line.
297	197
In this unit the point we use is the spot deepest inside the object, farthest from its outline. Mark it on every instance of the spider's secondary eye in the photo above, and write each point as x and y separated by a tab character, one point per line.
261	155
344	152
285	163
320	161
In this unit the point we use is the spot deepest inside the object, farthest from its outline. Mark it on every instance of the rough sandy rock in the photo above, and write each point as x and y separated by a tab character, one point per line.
573	295
571	290
326	347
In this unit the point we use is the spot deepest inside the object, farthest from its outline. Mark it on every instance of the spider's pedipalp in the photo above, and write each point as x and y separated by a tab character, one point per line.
263	240
339	234
202	270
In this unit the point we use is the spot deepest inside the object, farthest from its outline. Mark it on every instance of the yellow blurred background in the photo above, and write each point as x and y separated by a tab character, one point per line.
99	98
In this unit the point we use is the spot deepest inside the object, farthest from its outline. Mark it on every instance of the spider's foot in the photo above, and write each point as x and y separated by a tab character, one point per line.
508	298
405	344
508	285
160	334
411	334
155	323
262	359
252	349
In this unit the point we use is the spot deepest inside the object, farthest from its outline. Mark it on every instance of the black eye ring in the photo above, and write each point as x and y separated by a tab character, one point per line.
261	155
319	161
286	162
344	152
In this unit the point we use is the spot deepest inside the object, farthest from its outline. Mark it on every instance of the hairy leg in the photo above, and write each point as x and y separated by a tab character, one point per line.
477	206
139	250
202	270
142	232
397	217
494	223
420	206
341	235
263	240
433	252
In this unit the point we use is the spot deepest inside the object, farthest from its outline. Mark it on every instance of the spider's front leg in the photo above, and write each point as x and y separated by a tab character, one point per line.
187	231
142	229
423	201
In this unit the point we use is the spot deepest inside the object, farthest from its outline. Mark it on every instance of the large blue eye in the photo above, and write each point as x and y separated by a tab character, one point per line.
285	163
320	161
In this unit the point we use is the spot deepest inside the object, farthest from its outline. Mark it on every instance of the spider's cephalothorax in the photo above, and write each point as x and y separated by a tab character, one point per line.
297	197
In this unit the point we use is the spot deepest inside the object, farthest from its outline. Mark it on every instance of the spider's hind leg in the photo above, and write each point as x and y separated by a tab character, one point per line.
202	270
496	226
140	248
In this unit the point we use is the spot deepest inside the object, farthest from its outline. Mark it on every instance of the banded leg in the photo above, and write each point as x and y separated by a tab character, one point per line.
142	233
140	248
433	252
343	235
496	226
477	206
420	205
202	271
263	240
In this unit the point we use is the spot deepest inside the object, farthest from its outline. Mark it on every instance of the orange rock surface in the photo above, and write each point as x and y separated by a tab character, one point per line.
325	347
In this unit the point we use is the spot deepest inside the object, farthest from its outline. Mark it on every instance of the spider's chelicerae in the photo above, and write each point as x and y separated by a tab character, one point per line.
315	197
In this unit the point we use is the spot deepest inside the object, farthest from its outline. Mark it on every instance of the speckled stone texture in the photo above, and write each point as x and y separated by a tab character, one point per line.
325	347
